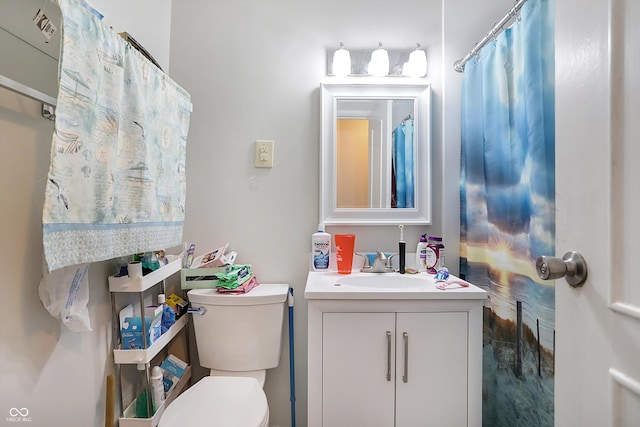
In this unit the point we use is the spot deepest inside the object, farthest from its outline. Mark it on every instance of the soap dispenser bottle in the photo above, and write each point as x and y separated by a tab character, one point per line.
421	254
321	249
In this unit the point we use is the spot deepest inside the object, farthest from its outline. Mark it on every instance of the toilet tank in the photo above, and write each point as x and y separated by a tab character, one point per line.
239	332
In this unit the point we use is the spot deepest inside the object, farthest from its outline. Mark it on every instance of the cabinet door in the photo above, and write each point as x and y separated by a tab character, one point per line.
358	361
431	382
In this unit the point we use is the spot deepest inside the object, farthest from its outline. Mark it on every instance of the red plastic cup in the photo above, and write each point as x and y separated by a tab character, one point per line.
345	244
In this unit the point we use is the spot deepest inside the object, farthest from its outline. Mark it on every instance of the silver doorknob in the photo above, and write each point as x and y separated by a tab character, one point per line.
572	267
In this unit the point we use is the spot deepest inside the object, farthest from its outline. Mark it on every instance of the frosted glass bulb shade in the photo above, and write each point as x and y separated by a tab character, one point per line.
341	63
417	64
379	65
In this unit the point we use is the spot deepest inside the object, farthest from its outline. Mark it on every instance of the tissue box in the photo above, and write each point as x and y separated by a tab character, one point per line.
172	370
131	327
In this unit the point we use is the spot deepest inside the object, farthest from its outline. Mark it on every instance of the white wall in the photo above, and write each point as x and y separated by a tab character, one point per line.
58	375
253	69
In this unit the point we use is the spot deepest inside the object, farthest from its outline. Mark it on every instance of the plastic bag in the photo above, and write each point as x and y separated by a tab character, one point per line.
65	293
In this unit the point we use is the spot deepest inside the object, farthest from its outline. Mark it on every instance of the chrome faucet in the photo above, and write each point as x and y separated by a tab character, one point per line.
382	264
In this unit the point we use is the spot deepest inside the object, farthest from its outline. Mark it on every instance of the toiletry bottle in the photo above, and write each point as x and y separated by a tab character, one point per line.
440	256
150	263
433	254
421	254
142	410
168	315
321	249
157	388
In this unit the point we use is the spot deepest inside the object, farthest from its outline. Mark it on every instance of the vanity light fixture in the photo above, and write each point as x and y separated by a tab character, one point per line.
362	63
341	62
379	64
416	66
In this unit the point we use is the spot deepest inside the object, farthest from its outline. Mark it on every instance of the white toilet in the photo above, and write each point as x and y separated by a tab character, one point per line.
238	338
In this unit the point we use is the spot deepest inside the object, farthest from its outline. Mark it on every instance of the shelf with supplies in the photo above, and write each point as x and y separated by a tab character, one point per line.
141	284
137	315
131	356
128	418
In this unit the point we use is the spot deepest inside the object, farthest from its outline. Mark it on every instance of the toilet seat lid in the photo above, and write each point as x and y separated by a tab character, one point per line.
219	401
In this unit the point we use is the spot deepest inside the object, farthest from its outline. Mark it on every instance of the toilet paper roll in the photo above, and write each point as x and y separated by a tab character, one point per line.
134	269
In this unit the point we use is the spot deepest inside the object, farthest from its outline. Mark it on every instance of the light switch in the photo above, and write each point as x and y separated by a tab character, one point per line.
264	154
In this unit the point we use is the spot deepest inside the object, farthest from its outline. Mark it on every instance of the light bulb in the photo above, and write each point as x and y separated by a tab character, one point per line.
341	62
417	64
379	64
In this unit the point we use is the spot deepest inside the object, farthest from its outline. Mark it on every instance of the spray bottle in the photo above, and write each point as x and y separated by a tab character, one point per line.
157	388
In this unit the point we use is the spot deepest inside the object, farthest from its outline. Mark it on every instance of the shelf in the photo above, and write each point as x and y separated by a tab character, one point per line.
121	356
141	284
128	419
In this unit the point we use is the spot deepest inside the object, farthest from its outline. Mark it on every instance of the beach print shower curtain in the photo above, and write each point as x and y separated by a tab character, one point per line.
507	216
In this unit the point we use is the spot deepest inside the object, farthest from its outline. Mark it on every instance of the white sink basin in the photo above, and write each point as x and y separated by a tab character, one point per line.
385	280
376	286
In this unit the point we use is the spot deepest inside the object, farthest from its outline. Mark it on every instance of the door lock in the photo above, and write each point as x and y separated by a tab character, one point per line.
572	267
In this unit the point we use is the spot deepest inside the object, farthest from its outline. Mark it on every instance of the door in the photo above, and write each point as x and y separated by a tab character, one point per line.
597	375
358	369
431	369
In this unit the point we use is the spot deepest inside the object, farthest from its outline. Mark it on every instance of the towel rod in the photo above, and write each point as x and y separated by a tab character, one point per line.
27	91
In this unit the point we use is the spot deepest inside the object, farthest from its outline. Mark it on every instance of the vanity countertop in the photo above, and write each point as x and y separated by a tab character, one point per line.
392	286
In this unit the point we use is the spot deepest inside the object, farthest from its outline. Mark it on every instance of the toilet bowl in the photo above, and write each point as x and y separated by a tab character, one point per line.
221	402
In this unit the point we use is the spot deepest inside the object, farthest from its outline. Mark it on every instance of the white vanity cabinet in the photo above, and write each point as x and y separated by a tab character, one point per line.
388	359
386	369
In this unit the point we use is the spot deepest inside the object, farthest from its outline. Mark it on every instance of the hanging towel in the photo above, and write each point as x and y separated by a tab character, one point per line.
116	182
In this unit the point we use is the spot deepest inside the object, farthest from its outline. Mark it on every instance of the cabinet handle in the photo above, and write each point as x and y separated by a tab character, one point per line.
405	377
388	355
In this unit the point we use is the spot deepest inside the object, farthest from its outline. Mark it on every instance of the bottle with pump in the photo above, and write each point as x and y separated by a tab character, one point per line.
321	249
421	254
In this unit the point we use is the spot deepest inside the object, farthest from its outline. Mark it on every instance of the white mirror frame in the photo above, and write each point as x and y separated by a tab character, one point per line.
331	92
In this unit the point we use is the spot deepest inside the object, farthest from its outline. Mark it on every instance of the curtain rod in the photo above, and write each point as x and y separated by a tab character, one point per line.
459	64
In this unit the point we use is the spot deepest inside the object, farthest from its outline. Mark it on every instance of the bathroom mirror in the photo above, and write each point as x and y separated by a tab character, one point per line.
375	162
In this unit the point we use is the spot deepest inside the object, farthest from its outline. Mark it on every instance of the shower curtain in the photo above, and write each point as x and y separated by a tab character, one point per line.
507	201
402	177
